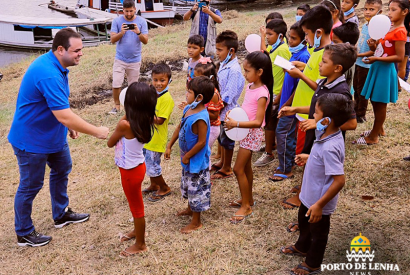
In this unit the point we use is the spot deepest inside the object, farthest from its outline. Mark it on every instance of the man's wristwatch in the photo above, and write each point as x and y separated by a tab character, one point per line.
139	33
192	11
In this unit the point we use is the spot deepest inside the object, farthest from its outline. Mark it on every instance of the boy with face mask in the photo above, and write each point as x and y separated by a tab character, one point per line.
275	34
371	8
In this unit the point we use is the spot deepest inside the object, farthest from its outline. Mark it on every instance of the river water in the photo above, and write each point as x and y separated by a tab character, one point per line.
30	8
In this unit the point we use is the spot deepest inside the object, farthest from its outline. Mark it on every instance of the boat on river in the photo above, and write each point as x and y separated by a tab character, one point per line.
38	33
152	10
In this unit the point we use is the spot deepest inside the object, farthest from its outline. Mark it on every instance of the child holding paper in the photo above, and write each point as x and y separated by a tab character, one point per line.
316	24
286	130
275	33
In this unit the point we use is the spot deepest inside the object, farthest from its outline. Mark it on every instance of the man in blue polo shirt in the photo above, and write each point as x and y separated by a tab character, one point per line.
130	31
38	136
204	19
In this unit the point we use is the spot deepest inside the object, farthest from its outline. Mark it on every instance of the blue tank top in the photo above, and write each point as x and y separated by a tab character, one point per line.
187	140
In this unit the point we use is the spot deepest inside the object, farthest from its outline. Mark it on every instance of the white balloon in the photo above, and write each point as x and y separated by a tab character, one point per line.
122	96
379	26
253	43
238	134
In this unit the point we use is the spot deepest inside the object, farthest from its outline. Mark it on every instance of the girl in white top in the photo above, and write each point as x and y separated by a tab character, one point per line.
132	132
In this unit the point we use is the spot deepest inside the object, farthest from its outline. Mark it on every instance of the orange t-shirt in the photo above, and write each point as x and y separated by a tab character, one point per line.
388	42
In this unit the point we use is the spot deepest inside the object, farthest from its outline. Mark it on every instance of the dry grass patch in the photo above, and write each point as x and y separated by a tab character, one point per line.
218	248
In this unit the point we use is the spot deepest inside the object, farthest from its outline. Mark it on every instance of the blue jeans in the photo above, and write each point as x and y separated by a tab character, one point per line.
32	169
407	69
286	143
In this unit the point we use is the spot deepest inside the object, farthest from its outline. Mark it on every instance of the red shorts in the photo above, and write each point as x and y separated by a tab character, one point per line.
131	180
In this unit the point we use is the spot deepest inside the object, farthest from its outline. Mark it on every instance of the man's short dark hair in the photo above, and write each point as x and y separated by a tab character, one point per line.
336	106
273	15
356	2
343	54
162	68
196	40
379	2
304	7
62	38
298	29
277	25
229	39
347	32
128	4
316	18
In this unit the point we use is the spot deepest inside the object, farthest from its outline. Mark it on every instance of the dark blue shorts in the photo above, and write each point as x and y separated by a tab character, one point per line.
224	140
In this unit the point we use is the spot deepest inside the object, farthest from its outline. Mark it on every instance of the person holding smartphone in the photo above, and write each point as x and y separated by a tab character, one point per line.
204	19
130	32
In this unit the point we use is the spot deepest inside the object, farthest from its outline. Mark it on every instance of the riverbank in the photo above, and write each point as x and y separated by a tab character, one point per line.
218	248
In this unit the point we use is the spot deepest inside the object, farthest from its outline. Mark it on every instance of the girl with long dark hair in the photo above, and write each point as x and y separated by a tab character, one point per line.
132	132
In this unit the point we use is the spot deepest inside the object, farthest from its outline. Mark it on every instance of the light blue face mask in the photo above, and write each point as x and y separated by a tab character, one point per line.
298	17
316	42
166	88
298	48
349	12
276	44
194	104
320	126
228	58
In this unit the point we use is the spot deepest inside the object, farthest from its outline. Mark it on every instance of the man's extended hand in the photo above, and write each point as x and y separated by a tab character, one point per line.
73	134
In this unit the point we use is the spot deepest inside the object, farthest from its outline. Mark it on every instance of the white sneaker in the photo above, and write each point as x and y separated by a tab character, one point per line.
265	159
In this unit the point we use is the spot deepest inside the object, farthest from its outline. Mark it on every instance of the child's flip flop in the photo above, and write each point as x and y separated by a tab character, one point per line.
155	197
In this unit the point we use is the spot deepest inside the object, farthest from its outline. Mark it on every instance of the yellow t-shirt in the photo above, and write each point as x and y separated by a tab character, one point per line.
165	105
303	93
310	49
278	72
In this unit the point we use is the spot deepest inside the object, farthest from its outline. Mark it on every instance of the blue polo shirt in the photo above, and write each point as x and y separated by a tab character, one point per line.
44	89
129	46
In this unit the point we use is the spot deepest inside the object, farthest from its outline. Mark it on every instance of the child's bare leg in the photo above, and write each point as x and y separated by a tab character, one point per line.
139	246
379	118
218	154
243	172
153	186
186	212
221	160
227	161
249	177
194	225
269	140
162	187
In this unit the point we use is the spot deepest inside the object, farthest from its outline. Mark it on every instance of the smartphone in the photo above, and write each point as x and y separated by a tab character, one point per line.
130	26
201	4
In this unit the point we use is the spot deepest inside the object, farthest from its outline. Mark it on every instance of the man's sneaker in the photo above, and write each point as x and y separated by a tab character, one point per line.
33	239
114	111
71	217
265	159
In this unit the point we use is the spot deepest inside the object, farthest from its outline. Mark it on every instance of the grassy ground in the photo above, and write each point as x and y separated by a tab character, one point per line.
218	248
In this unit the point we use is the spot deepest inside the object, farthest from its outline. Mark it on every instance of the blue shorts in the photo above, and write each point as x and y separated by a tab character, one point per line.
153	163
224	140
197	189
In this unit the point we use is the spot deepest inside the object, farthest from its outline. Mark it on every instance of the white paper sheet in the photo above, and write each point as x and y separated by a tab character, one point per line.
283	63
300	118
404	85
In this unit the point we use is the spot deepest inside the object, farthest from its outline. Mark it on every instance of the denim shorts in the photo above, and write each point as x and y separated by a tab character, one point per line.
153	163
224	140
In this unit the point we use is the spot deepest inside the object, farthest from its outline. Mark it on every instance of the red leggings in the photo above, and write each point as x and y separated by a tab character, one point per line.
300	143
131	180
